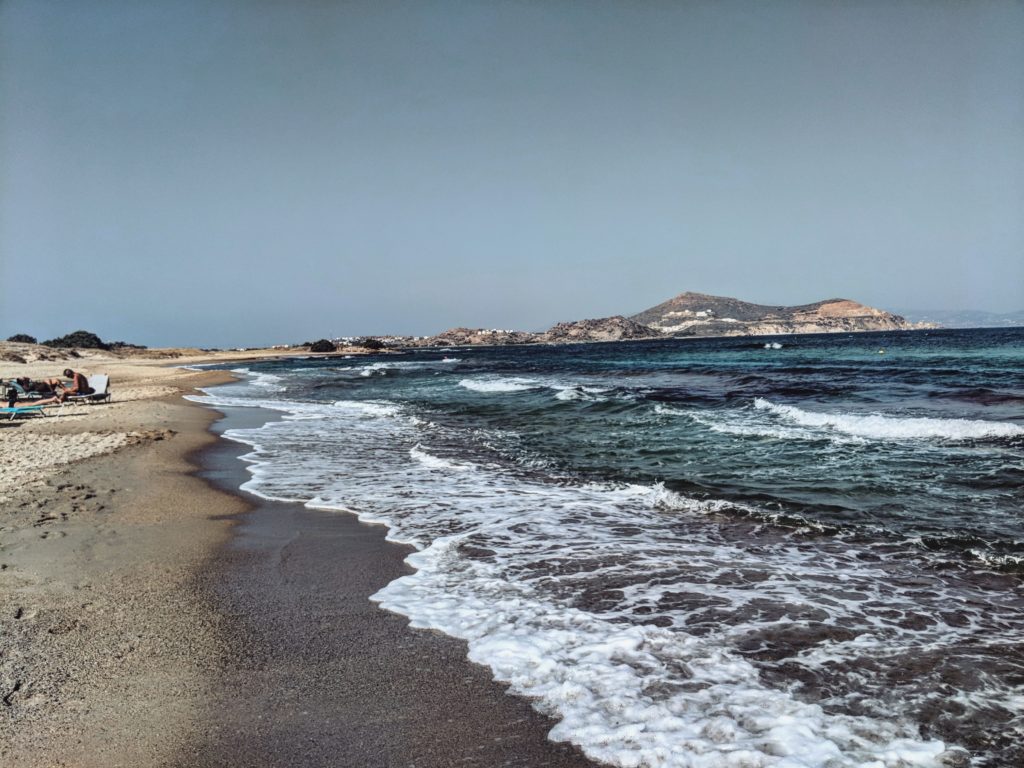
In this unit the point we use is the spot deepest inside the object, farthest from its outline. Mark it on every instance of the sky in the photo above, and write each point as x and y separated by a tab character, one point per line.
219	173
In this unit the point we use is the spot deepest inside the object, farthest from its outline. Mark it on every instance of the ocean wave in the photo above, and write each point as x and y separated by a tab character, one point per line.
564	391
499	385
626	613
999	562
388	367
879	427
375	369
742	423
430	461
627	694
580	392
259	379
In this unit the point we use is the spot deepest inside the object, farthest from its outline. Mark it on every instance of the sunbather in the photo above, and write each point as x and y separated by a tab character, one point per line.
43	388
33	403
12	396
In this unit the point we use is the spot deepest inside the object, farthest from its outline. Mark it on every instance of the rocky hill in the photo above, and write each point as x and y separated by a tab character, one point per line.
697	314
692	314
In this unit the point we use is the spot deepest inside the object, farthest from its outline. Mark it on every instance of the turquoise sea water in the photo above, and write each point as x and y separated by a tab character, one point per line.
697	552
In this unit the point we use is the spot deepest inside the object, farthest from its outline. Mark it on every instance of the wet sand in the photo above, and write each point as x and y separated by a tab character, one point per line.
317	675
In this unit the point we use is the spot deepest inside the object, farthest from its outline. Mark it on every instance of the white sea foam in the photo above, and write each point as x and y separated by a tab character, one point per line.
499	384
363	408
993	560
430	461
580	392
248	379
565	391
375	369
880	427
386	367
630	694
603	679
743	422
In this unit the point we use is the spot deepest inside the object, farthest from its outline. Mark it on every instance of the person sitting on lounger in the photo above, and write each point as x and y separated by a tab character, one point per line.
79	385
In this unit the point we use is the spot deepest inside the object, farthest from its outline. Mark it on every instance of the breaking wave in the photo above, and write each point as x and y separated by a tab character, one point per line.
879	427
499	385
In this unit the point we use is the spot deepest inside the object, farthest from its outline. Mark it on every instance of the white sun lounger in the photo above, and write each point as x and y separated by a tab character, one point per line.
100	384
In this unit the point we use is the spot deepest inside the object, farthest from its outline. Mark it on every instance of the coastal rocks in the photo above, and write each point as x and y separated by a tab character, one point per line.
617	328
456	337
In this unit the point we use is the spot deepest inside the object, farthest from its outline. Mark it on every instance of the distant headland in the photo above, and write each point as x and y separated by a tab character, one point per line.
688	315
694	315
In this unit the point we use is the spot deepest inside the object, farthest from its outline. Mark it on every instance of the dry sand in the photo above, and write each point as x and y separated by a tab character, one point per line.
101	528
145	619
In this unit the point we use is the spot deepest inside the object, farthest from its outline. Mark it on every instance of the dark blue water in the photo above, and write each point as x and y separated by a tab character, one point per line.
843	516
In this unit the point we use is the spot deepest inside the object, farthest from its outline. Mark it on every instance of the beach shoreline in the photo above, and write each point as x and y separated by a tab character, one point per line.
146	620
316	674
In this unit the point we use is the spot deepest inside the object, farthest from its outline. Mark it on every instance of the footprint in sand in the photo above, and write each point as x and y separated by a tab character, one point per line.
8	699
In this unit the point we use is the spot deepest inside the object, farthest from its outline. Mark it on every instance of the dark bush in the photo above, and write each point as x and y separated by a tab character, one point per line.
23	338
81	339
322	346
370	343
125	345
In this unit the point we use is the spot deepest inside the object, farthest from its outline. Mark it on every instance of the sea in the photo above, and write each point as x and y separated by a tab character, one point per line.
786	551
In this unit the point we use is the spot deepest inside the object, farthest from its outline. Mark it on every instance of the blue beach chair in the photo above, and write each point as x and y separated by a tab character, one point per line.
25	410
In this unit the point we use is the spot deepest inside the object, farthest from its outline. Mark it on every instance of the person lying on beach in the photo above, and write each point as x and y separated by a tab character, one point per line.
13	402
12	396
44	388
24	387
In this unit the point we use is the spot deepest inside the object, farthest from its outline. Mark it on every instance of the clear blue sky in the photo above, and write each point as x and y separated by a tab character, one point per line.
228	173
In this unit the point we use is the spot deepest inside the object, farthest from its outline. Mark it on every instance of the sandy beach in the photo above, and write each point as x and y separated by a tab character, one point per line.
150	615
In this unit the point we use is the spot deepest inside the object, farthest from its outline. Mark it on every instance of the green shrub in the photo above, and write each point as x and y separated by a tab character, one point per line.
23	338
80	339
323	345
